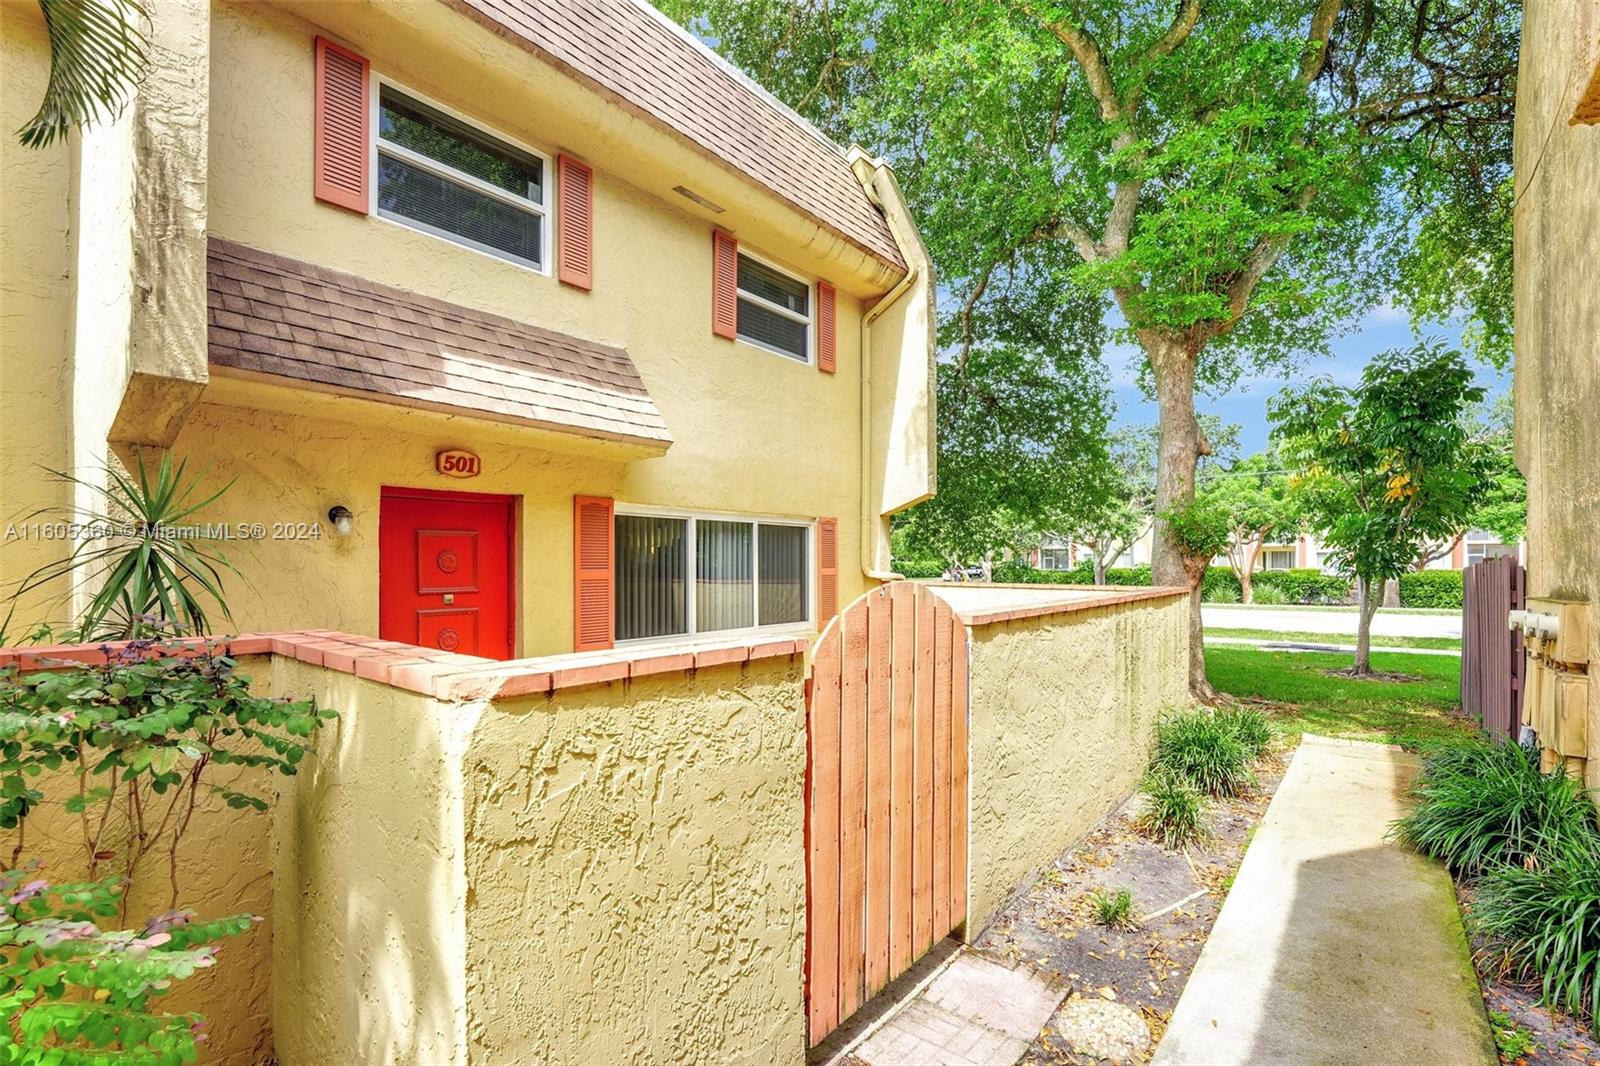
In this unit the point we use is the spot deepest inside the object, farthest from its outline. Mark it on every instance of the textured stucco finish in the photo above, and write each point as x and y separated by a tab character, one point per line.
1557	280
636	868
1063	714
616	873
223	870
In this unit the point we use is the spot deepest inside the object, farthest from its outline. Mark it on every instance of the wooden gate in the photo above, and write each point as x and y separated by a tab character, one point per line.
1491	654
886	795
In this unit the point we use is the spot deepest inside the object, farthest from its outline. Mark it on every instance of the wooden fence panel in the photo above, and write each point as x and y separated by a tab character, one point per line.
1491	656
886	803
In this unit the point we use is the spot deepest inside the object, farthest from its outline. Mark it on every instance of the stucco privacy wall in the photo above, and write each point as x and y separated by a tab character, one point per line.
224	870
1063	713
1557	282
636	868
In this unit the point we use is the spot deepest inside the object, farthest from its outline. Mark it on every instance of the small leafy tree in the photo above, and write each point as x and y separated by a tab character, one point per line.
1386	467
1260	506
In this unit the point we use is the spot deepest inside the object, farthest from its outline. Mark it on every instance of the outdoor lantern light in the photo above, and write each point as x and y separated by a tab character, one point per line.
341	517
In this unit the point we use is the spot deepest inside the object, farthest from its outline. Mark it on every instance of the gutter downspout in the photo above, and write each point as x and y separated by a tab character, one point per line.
865	172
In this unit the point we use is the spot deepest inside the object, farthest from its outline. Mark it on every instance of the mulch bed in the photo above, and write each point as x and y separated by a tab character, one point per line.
1559	1038
1050	925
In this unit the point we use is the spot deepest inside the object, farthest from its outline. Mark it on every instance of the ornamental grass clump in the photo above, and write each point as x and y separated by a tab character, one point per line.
1113	909
1205	750
1480	806
1250	727
1174	811
1547	921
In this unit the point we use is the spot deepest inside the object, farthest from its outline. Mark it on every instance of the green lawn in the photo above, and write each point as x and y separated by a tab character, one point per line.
1303	698
1450	643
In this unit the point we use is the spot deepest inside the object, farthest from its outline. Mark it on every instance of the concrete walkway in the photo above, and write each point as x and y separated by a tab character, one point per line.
1335	945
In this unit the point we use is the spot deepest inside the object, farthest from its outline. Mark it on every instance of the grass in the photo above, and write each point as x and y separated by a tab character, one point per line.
1205	750
1347	639
1114	910
1512	1040
1174	811
1347	609
1300	696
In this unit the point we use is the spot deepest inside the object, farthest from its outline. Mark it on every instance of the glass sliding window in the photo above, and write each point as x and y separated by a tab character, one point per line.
651	588
724	590
785	566
774	310
449	178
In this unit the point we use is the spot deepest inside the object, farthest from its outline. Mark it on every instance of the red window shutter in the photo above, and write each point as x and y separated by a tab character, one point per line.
827	329
724	284
593	623
575	226
827	570
342	115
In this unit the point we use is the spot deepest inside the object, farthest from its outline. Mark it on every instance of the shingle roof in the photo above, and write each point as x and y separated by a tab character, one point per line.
272	315
637	54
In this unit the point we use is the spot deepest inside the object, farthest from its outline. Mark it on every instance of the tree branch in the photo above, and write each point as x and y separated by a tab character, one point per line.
1086	50
1316	54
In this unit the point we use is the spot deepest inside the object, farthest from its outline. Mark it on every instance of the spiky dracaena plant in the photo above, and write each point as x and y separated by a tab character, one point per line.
98	54
153	570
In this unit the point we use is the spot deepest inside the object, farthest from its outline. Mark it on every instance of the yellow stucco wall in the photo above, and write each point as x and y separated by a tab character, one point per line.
35	304
1063	714
614	874
1557	281
223	869
636	867
368	884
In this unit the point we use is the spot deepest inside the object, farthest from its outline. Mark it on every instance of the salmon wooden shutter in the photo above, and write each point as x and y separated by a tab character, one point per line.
340	127
827	570
724	284
827	329
575	223
593	627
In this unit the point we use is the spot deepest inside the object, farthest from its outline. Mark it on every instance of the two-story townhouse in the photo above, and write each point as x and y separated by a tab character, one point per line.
514	328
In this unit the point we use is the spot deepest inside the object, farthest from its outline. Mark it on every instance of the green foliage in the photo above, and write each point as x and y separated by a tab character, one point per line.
1480	806
1547	920
1219	593
97	58
1202	529
919	569
1250	727
1260	507
79	991
1206	751
1431	588
1113	909
1512	1040
155	568
1268	595
1172	811
1307	586
1504	508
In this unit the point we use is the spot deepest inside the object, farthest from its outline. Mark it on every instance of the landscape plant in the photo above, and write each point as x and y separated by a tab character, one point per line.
1205	750
97	58
1482	806
1384	468
1260	507
1547	921
1113	908
1172	812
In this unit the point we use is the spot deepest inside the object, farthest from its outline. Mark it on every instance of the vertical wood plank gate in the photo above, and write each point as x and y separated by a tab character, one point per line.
1491	654
886	795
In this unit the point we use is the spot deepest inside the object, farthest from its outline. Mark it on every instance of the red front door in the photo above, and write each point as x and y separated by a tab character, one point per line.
445	572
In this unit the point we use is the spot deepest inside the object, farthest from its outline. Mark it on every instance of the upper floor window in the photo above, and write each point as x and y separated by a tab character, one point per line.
774	310
445	176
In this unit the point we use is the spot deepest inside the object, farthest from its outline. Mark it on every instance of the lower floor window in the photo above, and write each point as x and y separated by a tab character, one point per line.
1055	559
677	576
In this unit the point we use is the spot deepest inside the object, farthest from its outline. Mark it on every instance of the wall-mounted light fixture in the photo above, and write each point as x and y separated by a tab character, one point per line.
341	517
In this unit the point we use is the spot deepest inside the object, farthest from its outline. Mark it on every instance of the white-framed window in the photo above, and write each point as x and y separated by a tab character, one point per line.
443	174
1277	559
1055	558
680	574
774	309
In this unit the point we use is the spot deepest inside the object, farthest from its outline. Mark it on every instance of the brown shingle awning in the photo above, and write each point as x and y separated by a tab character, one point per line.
282	317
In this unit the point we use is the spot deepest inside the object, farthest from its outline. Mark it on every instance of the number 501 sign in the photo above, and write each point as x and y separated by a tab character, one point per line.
455	462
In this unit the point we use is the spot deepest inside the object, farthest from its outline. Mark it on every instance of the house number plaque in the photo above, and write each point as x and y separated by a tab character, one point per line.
454	462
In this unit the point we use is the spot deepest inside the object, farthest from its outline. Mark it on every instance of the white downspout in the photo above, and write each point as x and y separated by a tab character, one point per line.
868	518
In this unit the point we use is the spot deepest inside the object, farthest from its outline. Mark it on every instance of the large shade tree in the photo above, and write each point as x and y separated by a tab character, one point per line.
1241	180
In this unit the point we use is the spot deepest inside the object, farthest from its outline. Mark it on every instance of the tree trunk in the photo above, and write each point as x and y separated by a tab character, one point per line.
1368	607
1099	571
1244	585
1180	447
1391	593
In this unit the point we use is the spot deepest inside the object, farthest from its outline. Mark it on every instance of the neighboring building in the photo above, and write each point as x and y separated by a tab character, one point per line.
1557	382
592	339
1304	552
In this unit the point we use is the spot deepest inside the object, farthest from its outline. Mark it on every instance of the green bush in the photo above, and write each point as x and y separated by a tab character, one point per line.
1547	919
1481	806
1431	588
1308	586
1250	726
1219	594
1219	585
1174	811
1268	595
919	569
1205	750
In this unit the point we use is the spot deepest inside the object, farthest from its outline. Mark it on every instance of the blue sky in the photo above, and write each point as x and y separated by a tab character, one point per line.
1246	402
